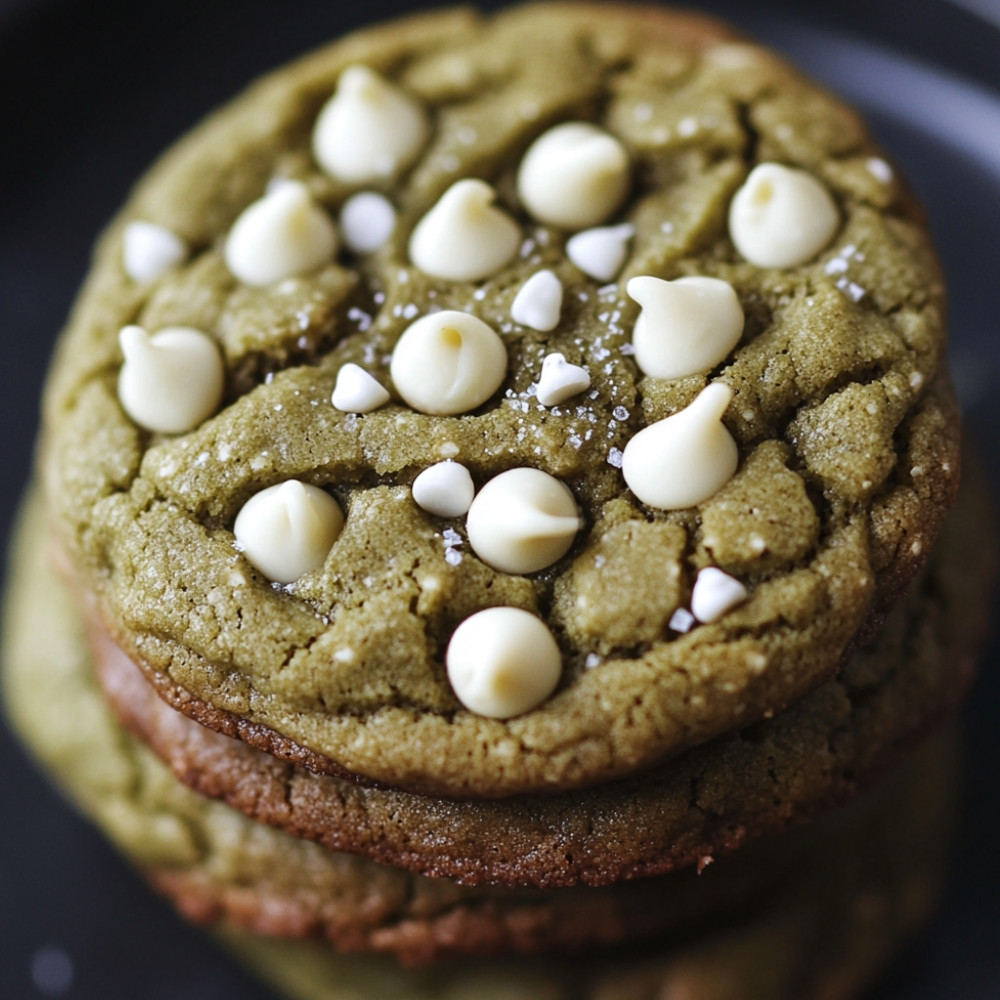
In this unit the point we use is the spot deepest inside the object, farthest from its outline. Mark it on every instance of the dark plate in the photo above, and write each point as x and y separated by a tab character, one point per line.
89	93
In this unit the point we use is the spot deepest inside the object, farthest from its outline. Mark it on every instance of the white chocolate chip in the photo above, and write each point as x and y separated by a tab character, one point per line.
600	253
574	176
686	326
448	362
283	235
560	380
687	126
357	391
879	169
149	251
367	220
522	521
737	55
369	129
445	489
781	217
682	620
502	662
171	381
714	593
464	237
288	530
686	458
539	302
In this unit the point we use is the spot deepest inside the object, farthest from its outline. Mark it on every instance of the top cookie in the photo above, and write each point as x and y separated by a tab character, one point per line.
457	240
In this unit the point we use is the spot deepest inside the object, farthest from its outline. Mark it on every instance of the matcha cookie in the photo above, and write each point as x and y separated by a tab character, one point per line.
220	867
704	804
223	869
823	936
491	407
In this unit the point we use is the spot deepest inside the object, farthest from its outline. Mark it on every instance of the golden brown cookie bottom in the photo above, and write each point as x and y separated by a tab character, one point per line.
823	937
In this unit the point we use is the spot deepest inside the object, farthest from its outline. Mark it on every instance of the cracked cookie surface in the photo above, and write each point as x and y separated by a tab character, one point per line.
841	412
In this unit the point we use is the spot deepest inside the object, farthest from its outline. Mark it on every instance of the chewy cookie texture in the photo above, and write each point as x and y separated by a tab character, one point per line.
500	460
784	486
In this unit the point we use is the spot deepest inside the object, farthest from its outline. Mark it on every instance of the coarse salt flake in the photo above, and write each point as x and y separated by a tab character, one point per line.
682	620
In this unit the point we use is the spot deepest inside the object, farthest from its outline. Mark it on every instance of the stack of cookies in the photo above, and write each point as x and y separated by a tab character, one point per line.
492	523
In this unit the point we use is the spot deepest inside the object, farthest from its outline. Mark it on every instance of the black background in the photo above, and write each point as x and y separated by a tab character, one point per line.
90	92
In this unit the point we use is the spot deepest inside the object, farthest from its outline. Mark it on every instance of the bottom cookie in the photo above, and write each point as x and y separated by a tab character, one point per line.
825	935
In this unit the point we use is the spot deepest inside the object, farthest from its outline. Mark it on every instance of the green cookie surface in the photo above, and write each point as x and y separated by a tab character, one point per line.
844	422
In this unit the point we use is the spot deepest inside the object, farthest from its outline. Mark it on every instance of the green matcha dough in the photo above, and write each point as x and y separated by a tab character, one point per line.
841	412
